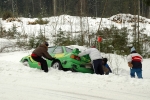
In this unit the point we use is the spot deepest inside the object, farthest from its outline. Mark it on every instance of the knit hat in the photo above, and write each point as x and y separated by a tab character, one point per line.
105	59
132	49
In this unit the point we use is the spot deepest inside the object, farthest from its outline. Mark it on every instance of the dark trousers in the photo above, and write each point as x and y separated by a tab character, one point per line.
138	72
43	63
97	66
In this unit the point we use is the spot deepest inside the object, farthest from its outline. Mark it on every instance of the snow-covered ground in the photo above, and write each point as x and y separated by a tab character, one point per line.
19	82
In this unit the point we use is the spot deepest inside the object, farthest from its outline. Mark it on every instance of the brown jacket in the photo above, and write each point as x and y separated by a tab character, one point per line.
42	51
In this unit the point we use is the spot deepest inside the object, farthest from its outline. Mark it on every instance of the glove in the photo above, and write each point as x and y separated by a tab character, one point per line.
130	65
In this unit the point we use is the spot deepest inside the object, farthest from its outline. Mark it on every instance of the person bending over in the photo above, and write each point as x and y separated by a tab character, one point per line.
39	53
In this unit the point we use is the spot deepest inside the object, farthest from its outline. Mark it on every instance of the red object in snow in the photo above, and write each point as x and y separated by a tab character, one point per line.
93	47
99	39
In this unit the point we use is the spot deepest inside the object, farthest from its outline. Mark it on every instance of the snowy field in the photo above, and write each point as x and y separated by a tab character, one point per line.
19	82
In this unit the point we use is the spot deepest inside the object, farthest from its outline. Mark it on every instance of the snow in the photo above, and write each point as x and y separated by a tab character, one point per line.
19	82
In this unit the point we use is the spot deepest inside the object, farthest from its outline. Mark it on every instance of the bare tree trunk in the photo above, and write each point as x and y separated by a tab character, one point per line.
135	23
33	8
81	21
149	13
102	15
81	7
96	8
138	24
142	8
88	33
64	6
13	7
54	7
82	10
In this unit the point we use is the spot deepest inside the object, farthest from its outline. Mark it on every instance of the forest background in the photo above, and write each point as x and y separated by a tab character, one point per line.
92	8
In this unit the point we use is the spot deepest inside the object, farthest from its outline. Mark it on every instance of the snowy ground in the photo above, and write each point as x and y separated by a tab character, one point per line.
19	82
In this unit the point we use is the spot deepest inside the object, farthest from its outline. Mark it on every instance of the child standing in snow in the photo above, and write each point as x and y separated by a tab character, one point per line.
134	62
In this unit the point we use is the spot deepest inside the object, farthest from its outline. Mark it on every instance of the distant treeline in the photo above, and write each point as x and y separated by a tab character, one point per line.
93	8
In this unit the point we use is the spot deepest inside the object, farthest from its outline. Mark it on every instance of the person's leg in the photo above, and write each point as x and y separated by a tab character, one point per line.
139	72
44	65
42	62
100	67
95	66
38	59
132	73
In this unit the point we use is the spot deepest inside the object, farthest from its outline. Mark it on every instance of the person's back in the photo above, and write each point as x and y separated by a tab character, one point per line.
135	63
136	60
93	53
96	59
40	49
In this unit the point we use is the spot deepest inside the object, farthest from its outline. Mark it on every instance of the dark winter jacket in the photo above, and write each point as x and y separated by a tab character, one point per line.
107	66
41	51
105	69
135	59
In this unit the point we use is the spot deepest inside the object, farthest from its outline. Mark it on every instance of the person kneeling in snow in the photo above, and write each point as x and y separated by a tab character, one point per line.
134	62
106	67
